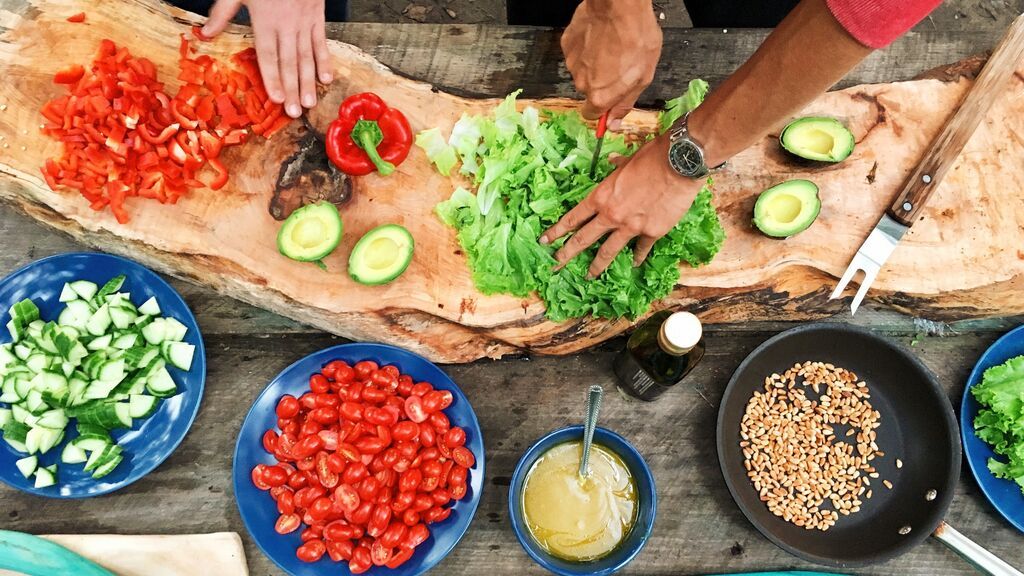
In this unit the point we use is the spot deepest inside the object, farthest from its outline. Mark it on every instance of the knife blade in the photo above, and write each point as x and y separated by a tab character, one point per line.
938	159
602	127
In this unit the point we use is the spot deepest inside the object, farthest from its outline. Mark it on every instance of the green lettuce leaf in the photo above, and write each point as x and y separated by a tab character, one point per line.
677	107
438	151
529	168
1000	421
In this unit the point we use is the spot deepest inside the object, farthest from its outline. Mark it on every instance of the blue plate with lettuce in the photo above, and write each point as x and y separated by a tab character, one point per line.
992	425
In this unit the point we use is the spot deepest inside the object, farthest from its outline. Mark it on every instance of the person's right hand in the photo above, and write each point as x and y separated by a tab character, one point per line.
291	46
612	49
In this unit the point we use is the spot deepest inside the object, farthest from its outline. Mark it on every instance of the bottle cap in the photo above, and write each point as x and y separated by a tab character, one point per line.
680	332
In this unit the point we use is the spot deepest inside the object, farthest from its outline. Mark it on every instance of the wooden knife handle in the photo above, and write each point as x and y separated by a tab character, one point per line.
942	153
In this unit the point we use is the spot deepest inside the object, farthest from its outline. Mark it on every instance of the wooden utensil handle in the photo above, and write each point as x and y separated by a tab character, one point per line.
944	150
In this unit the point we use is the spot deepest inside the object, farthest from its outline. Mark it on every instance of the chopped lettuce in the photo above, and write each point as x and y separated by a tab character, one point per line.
1000	421
676	107
529	168
438	151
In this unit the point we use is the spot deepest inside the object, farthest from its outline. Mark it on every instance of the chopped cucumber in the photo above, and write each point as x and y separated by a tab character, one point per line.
85	289
27	465
150	307
100	342
155	332
107	467
141	406
73	454
45	478
91	444
125	341
112	285
67	293
175	330
5	417
122	317
161	385
99	322
76	313
179	354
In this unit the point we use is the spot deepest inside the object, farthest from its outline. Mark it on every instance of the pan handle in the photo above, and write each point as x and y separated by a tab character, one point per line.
983	561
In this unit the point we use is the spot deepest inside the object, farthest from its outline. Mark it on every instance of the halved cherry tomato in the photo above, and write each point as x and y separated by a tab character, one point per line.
364	369
270	441
339	551
416	535
361	560
287	523
463	456
414	409
401	556
421	389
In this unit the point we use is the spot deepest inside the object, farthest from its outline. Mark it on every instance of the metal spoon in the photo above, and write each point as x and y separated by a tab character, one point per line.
593	407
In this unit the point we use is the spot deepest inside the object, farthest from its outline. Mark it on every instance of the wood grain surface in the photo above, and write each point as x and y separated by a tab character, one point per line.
699	530
958	262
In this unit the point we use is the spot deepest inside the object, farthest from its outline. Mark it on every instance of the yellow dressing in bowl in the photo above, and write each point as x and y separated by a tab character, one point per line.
579	519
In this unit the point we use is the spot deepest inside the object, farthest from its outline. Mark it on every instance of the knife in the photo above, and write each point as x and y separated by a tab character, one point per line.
602	126
939	157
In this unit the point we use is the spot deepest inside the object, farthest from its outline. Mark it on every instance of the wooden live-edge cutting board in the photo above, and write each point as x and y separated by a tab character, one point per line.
964	259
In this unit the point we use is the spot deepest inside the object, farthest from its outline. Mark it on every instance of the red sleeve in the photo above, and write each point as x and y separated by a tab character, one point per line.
876	23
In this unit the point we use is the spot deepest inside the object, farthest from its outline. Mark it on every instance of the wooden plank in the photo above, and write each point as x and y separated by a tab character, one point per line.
699	530
484	61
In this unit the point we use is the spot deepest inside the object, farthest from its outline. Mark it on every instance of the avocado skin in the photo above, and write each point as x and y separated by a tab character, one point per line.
789	139
327	209
810	206
355	263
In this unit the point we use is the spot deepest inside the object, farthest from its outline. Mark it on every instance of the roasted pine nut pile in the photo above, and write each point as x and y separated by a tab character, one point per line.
802	471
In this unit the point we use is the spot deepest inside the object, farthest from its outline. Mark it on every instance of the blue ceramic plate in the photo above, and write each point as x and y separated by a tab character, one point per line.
150	441
1005	495
259	512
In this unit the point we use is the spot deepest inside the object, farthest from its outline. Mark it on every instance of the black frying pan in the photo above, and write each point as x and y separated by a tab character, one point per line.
918	426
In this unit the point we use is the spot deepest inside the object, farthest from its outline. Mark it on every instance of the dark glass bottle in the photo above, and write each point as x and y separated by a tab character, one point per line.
659	353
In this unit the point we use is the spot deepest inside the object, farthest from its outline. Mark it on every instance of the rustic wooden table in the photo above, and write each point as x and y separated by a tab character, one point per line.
699	530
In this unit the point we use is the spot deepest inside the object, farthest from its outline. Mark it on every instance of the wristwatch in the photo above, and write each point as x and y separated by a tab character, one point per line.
685	154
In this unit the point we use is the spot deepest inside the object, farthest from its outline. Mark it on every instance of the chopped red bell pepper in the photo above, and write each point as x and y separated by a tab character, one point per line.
77	18
69	74
123	136
368	135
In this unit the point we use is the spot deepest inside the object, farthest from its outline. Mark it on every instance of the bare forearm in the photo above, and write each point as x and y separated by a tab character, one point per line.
807	54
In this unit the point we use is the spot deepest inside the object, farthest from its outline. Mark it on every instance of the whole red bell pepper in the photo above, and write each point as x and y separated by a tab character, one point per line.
368	136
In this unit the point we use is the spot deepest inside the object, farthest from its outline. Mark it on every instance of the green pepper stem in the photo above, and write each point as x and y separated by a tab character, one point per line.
367	134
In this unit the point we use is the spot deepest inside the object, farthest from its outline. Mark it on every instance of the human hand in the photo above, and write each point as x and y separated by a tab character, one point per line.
612	49
644	198
291	46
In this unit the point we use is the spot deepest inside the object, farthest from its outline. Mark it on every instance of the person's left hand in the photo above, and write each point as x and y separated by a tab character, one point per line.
643	198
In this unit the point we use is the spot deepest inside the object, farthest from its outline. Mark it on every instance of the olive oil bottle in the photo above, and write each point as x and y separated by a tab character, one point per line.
659	353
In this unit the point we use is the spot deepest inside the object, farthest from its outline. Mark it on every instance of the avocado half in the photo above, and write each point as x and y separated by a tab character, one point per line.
787	208
817	138
381	255
311	232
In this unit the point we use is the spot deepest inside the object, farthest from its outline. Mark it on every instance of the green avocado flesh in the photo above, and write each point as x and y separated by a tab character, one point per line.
311	232
381	255
786	209
819	139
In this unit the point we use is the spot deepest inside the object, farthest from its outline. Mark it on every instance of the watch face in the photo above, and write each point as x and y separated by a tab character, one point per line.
687	159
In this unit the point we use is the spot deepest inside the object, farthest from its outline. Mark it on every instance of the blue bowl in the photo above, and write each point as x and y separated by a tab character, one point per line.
638	535
1005	495
258	510
150	441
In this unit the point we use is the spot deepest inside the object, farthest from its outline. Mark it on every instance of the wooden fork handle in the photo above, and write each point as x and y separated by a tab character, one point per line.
942	153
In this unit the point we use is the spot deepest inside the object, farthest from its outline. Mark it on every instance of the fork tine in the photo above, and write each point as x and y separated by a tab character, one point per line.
870	272
847	276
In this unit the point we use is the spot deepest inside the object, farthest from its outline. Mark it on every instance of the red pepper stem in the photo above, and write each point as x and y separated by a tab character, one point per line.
367	134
